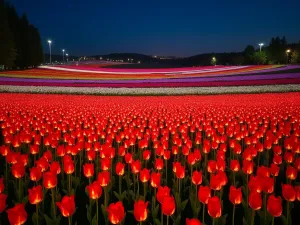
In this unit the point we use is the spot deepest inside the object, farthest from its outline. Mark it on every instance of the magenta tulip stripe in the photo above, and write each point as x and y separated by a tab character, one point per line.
209	76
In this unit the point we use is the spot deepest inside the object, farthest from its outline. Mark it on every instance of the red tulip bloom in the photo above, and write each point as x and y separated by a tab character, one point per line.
49	180
23	159
69	167
204	194
162	192
274	206
216	182
144	175
42	163
105	164
255	183
192	221
67	206
155	179
35	173
297	189
159	164
248	167
288	192
18	170
146	155
191	159
180	172
136	166
197	154
2	202
116	212
197	177
91	155
140	210
94	190
120	169
128	158
255	200
288	157
212	166
268	185
88	170
167	154
55	167
48	155
103	178
263	171
274	170
17	215
277	159
235	195
168	205
214	207
35	195
1	185
291	172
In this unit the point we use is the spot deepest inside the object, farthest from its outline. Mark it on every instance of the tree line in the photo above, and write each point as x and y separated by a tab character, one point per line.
20	41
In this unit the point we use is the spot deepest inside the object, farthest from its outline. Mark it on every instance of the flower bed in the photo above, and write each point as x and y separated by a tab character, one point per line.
227	159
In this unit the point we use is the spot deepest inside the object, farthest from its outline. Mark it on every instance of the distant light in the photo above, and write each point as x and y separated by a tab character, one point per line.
261	44
63	50
289	50
139	61
49	41
67	54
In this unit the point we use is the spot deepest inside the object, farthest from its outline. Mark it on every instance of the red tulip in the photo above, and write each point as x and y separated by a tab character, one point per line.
42	163
162	192
168	205
18	170
135	166
277	159
35	173
288	192
67	206
212	166
167	154
180	172
192	221
197	177
159	164
1	185
268	185
49	180
146	155
191	159
263	171
235	195
274	170
216	182
144	175
128	158
297	189
94	190
120	169
204	194
255	200
69	167
48	155
35	195
55	167
17	215
103	178
88	170
255	183
116	212
274	206
91	155
140	210
248	167
214	207
291	172
105	164
2	202
155	179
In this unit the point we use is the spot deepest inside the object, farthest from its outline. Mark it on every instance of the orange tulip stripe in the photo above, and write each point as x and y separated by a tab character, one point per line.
75	159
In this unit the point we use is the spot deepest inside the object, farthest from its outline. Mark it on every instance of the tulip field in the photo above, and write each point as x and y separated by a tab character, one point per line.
159	160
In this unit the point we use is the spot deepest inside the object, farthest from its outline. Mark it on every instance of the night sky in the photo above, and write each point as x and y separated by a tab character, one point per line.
160	27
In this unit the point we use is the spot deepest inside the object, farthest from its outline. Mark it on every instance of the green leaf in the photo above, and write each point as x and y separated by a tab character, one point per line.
245	221
123	195
155	211
222	220
88	215
117	196
34	218
183	204
25	200
177	221
94	221
157	222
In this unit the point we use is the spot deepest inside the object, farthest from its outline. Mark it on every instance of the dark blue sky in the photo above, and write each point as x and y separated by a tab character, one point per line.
160	27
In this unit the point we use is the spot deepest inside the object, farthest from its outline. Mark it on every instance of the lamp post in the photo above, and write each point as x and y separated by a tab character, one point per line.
49	42
287	55
260	45
67	57
63	55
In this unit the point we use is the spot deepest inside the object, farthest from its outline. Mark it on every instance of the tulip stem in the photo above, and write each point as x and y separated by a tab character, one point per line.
233	212
233	178
97	213
166	163
138	184
162	218
213	222
6	176
167	220
273	220
203	213
20	194
287	212
37	213
120	185
53	204
145	191
247	191
253	216
69	219
69	182
105	197
265	203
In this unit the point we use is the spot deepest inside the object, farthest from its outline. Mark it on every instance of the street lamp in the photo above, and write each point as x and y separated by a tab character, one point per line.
67	57
49	42
287	55
260	45
63	55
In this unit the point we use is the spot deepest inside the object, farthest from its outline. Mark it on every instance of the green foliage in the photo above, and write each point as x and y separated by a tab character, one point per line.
295	57
213	61
260	58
